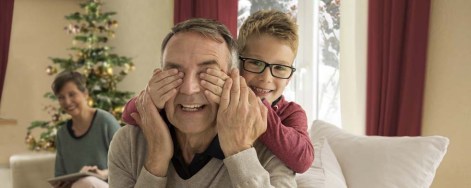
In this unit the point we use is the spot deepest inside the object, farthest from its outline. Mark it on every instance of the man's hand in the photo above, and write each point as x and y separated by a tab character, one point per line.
241	118
162	86
156	133
213	81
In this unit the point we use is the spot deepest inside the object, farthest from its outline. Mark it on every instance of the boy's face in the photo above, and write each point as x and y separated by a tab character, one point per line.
273	51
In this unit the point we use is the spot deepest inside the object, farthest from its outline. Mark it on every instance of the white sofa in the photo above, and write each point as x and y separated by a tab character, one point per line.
341	160
346	160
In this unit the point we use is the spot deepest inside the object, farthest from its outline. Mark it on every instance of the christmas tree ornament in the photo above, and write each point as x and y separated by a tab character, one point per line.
90	101
100	71
55	117
45	145
29	139
114	24
86	72
118	110
50	70
111	34
109	71
131	67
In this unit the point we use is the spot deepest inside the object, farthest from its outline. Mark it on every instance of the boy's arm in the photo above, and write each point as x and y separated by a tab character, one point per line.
129	108
288	139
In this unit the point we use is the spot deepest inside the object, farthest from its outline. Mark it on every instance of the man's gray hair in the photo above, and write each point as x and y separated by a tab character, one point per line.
208	28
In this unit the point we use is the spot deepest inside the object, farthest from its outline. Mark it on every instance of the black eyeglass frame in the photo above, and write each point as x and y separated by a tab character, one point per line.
243	59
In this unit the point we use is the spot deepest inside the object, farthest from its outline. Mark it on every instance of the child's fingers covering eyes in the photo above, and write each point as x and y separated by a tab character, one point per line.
214	89
212	97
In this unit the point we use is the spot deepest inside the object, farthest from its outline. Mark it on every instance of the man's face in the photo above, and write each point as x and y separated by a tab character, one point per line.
192	53
272	51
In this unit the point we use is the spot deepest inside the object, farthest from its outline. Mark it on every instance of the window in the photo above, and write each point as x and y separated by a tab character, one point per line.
315	85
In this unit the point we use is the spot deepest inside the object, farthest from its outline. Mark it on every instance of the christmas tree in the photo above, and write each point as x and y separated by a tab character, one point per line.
91	30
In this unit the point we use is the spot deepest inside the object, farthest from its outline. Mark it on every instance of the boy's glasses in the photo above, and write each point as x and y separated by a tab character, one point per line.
258	66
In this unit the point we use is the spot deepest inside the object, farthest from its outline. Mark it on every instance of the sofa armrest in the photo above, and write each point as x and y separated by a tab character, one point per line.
32	170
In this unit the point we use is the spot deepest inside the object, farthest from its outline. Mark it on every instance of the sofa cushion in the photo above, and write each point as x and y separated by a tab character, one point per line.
325	171
374	161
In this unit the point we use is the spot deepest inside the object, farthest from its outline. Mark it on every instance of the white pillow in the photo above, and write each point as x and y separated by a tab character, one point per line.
374	161
325	171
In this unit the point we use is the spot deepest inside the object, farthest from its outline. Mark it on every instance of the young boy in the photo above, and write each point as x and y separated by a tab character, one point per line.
268	44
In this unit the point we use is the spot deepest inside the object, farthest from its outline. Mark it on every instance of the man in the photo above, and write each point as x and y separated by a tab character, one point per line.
193	142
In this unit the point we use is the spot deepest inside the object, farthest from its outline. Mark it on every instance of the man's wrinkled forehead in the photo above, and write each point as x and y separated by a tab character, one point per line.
203	65
206	50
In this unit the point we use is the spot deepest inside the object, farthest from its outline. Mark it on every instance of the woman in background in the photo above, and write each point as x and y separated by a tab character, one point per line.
82	143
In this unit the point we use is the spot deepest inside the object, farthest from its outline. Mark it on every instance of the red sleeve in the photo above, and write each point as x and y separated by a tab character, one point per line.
287	137
129	108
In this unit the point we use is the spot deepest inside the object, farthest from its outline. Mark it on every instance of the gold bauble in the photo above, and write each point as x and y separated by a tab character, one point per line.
90	101
100	71
132	67
86	71
114	23
50	70
29	138
109	71
55	117
118	109
46	145
79	55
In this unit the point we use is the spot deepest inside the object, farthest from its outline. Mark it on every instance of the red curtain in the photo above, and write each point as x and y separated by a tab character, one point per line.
6	16
397	47
225	11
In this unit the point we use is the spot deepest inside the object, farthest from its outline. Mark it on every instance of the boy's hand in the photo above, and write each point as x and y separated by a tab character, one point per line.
213	81
162	86
241	118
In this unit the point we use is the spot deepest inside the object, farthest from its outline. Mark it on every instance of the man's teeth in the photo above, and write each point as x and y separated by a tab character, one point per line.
191	107
260	90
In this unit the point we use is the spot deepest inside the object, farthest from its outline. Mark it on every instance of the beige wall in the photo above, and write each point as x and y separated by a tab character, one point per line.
447	107
37	33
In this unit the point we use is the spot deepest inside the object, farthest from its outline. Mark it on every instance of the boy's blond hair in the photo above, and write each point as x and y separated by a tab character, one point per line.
273	23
